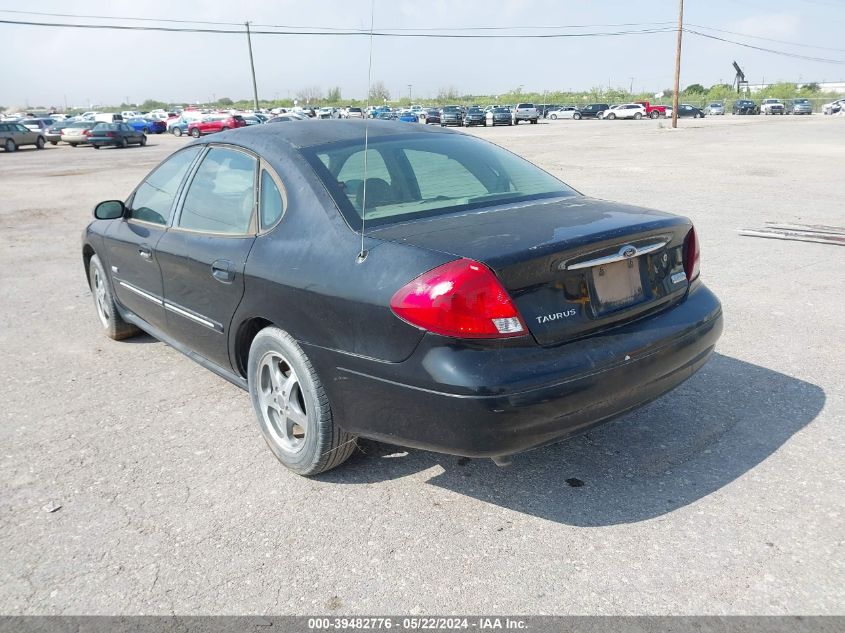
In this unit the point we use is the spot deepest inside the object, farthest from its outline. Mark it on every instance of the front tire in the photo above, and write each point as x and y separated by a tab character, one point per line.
637	116
39	142
610	116
123	142
195	132
113	324
654	114
10	146
177	131
143	141
292	408
576	116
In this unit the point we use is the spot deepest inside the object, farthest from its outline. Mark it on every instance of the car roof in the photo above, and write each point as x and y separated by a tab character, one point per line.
264	138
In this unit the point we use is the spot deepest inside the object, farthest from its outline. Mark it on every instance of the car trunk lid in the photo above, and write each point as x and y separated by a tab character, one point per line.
573	266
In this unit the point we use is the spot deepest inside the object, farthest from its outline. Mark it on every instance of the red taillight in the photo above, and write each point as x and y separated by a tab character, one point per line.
692	255
86	133
462	299
110	134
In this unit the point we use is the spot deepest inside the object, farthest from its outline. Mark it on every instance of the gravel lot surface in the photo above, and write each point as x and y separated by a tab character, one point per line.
723	497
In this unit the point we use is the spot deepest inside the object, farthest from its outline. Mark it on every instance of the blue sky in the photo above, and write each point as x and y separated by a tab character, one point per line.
43	66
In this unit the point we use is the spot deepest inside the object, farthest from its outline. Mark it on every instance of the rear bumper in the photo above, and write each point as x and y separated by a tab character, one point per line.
483	401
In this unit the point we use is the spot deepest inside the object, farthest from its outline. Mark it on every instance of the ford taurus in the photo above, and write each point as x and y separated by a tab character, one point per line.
433	290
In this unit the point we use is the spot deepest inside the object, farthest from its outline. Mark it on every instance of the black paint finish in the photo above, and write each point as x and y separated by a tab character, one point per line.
385	378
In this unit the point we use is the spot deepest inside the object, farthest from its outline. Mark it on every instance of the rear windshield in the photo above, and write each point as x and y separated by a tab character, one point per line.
100	127
522	106
422	175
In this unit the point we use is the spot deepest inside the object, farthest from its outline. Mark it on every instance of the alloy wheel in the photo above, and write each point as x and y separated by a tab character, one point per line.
282	402
100	298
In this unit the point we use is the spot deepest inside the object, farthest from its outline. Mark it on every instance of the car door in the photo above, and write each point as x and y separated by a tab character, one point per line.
204	253
131	241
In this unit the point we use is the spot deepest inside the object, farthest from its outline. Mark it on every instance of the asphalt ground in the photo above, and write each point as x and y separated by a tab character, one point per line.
133	481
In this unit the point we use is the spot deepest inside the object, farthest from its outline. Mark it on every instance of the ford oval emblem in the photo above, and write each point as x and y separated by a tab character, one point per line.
628	251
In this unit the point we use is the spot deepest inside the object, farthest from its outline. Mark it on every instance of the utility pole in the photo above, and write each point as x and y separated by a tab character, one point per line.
678	64
632	86
409	91
252	67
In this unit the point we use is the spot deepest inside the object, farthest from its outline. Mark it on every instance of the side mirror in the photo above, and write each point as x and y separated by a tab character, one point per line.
109	210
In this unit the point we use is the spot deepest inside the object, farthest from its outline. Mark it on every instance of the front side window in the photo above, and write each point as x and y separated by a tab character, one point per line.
221	196
153	200
422	175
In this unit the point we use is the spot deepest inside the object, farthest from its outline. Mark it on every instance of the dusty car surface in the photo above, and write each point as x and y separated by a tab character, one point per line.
433	291
14	135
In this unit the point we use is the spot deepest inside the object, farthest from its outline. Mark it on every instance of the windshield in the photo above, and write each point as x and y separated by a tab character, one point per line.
421	175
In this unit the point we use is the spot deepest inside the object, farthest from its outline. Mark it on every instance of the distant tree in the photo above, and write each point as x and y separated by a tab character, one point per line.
668	93
2	108
695	89
152	104
225	101
333	95
379	92
811	87
310	94
447	93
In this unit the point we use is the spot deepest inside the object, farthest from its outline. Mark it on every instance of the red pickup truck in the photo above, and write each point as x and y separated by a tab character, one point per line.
653	111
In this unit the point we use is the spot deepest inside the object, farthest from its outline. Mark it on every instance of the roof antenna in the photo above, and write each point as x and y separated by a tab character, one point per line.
362	254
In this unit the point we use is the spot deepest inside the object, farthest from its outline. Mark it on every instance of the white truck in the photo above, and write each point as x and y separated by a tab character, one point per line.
772	106
525	112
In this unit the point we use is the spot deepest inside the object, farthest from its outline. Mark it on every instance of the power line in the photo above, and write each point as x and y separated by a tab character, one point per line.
767	39
767	50
166	29
332	28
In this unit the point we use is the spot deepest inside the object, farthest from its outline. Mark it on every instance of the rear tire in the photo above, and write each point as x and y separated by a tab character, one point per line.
177	131
195	132
637	116
113	324
293	410
39	142
124	143
74	144
143	141
576	116
54	142
9	145
224	128
610	116
654	114
96	146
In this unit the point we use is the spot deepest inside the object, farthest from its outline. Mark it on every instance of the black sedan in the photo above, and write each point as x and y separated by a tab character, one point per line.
432	116
482	309
688	111
475	116
116	134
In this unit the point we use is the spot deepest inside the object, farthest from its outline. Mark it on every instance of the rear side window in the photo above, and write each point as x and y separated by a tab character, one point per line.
153	200
271	203
221	197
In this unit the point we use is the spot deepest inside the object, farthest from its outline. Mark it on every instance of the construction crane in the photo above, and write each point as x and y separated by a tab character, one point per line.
739	81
